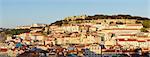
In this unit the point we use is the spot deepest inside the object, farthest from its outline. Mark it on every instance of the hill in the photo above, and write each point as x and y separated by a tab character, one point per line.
76	19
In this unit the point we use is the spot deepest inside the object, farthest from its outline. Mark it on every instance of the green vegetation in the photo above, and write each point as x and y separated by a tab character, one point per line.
138	22
59	23
143	30
96	17
2	36
120	16
16	31
9	32
146	23
119	22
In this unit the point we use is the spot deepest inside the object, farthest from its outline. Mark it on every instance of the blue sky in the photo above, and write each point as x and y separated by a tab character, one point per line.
26	12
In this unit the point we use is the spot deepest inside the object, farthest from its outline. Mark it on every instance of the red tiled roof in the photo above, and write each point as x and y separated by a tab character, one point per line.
131	40
128	35
145	48
3	49
127	40
141	41
143	36
49	40
117	45
148	40
121	39
110	50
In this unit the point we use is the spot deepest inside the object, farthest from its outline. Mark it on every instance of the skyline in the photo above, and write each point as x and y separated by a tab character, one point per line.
26	12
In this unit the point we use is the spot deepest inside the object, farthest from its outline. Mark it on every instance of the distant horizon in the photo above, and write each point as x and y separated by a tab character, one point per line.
25	12
74	15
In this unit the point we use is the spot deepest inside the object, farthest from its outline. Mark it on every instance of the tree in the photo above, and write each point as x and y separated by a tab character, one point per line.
146	23
119	22
111	22
55	41
138	22
143	30
3	36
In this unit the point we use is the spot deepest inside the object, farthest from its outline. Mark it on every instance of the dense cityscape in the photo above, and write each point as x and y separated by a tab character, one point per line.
79	36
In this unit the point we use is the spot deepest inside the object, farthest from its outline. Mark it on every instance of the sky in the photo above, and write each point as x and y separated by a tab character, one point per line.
26	12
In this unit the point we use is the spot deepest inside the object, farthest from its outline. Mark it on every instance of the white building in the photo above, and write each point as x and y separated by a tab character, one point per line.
71	28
